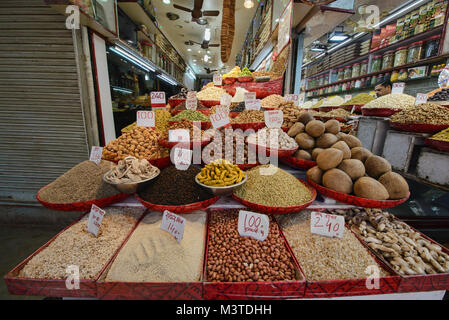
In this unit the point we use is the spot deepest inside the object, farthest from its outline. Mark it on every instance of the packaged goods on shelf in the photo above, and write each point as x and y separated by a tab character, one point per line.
84	182
360	99
392	101
154	255
76	246
323	258
210	93
191	115
429	113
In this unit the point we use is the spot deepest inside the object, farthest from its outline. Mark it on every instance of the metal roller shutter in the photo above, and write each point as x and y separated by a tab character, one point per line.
42	131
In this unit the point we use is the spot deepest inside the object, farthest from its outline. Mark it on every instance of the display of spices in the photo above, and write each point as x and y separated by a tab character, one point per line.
211	93
442	95
191	115
220	173
84	182
272	101
239	107
77	246
196	134
273	187
392	101
324	258
182	106
273	138
131	170
175	187
291	115
429	113
154	255
405	249
340	113
141	142
232	258
271	74
181	95
249	116
239	95
333	101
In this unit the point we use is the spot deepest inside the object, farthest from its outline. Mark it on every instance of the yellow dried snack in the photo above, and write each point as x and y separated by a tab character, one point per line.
220	173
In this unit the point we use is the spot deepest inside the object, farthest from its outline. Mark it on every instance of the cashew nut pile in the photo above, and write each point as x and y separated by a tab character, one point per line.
131	170
405	249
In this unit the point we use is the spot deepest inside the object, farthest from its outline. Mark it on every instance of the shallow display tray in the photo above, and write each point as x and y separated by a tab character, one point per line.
281	153
277	210
379	112
249	290
204	124
210	103
188	145
187	208
81	206
437	144
251	125
175	102
298	163
247	166
229	80
262	89
245	79
418	127
161	163
357	201
56	287
328	108
233	114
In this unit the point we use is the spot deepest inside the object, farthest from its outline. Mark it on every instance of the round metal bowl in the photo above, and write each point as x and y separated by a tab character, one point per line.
130	187
222	191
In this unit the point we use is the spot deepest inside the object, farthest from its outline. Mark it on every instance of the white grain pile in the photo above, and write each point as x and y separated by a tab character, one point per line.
154	255
76	246
392	101
324	258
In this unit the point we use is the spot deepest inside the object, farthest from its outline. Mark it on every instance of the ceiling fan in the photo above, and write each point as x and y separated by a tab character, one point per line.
204	45
208	70
196	12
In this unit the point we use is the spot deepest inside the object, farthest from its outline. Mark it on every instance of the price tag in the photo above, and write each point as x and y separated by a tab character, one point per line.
157	97
178	135
225	99
191	104
421	98
254	225
293	97
96	154
145	119
173	224
398	87
314	101
249	96
217	79
274	118
191	95
182	158
328	225
348	97
95	218
302	98
253	104
325	100
220	118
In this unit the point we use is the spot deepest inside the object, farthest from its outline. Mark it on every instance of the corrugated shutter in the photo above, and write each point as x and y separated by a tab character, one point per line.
42	131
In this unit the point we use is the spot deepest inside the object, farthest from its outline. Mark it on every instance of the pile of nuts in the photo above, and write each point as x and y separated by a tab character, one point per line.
249	116
272	101
141	142
405	249
233	258
196	134
429	113
280	140
211	93
391	101
271	74
291	115
340	113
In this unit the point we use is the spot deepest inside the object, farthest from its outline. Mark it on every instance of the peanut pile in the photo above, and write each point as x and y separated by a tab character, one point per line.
249	116
233	258
430	113
196	134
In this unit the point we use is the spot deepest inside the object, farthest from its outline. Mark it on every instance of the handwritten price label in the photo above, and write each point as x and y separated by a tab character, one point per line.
95	219
249	96
178	135
157	97
217	79
95	154
145	119
398	87
220	118
182	158
274	118
173	224
191	104
348	97
314	101
327	224
191	95
421	98
301	99
225	99
253	104
254	225
293	97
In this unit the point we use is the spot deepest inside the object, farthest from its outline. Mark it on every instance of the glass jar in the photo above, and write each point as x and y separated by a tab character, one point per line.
388	60
387	76
394	76
334	76
320	81
432	47
364	67
403	75
358	84
353	84
373	81
362	83
400	57
376	64
341	74
348	72
415	52
355	70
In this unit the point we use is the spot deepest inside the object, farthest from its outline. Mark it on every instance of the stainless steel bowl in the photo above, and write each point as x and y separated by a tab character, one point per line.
130	187
222	191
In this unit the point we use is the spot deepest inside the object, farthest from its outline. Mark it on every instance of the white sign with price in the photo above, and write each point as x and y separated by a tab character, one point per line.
182	158
253	104
348	97
225	99
95	218
421	98
220	118
178	135
302	98
173	224
145	119
274	118
249	96
327	224
95	154
191	95
293	97
157	97
398	87
217	79
314	101
254	225
191	104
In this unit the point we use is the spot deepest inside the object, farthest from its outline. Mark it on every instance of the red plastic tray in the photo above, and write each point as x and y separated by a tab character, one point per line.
233	114
267	150
175	102
245	79
418	127
210	103
247	166
245	126
277	210
178	209
81	206
189	145
229	80
379	112
328	108
299	163
55	287
262	89
357	201
204	125
437	144
340	119
357	109
249	290
161	163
